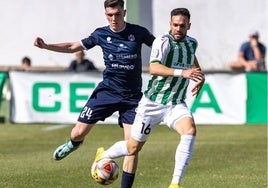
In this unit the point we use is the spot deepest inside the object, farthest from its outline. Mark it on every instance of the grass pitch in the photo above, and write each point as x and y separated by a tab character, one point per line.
225	156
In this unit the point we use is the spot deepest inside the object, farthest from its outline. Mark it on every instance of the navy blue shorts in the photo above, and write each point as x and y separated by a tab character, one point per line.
104	102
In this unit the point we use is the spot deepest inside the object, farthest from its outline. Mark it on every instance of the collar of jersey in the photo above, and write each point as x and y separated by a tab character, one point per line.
120	30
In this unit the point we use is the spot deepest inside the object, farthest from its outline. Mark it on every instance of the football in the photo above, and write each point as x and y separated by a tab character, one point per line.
105	171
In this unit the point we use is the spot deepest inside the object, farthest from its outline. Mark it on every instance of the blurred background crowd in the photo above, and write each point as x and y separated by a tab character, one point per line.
220	27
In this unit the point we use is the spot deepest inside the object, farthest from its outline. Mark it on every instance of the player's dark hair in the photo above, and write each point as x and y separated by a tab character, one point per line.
180	11
114	3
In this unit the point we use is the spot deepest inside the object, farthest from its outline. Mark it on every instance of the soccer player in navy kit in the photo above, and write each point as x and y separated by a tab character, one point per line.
120	89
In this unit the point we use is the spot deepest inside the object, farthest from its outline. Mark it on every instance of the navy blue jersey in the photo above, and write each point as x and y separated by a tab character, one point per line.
122	55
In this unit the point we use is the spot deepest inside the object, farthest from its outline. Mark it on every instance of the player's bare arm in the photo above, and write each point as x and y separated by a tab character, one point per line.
195	74
67	47
156	68
199	80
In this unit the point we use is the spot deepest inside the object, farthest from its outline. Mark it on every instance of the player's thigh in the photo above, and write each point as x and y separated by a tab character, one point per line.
127	111
149	115
180	118
101	104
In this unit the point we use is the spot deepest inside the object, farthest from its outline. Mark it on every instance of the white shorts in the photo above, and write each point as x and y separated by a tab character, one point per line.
150	114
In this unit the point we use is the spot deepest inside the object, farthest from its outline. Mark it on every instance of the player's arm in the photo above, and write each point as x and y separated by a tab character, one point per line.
158	69
195	74
67	47
200	79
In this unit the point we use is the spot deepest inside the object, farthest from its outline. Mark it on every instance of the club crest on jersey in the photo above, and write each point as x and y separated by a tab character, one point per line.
131	37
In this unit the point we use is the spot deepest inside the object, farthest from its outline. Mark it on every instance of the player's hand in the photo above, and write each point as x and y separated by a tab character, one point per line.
194	74
39	42
198	85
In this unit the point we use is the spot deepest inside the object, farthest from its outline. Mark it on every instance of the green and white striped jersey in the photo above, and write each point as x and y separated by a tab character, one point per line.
174	54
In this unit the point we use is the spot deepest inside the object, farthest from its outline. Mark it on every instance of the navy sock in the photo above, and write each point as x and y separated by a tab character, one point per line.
127	180
76	143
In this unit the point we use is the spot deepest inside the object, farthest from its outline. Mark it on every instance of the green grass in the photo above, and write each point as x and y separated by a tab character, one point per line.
225	156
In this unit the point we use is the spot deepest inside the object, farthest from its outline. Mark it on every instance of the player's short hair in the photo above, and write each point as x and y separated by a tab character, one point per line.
114	3
180	11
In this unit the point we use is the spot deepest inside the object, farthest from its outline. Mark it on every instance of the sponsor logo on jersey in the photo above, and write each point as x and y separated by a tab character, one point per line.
122	46
109	40
120	57
179	65
125	67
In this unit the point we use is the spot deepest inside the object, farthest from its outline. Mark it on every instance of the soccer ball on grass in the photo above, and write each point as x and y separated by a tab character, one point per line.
105	171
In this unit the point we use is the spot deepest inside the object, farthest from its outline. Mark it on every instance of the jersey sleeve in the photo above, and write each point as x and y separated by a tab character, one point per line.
149	38
90	41
160	49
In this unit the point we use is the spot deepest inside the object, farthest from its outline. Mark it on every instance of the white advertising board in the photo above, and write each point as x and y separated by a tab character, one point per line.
58	97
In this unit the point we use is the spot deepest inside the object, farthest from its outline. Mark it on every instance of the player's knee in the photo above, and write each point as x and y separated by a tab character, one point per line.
189	128
132	151
185	126
190	131
134	147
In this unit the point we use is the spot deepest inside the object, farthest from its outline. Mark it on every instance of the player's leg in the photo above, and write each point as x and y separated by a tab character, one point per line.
100	105
129	164
127	114
78	134
120	149
131	146
185	126
148	116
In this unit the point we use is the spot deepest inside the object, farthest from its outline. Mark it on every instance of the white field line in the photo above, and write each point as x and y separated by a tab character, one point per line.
55	127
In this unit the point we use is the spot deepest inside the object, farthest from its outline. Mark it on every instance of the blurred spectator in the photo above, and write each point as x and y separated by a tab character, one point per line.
80	64
251	56
25	63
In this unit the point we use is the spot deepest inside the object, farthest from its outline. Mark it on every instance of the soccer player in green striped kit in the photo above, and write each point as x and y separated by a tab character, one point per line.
172	65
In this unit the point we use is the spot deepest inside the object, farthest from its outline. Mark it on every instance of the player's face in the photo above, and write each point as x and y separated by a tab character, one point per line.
115	17
179	25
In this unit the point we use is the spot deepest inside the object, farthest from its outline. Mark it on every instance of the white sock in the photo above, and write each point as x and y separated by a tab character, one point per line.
119	149
183	154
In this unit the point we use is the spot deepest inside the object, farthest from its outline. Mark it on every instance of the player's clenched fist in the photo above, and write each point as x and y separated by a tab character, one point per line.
39	42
